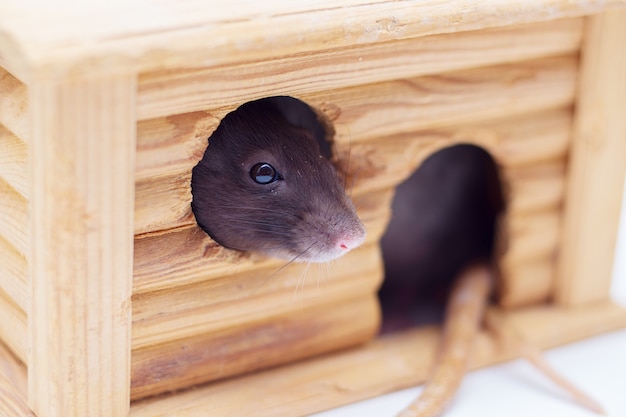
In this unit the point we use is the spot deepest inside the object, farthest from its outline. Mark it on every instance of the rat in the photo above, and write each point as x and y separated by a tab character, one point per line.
266	183
443	244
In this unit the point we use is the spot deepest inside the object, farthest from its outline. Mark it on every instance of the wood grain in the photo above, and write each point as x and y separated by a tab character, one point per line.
13	370
189	34
165	93
13	327
187	256
535	187
14	214
527	266
597	165
14	105
531	236
12	386
231	301
14	274
527	283
11	403
14	161
374	112
259	344
81	257
392	363
173	145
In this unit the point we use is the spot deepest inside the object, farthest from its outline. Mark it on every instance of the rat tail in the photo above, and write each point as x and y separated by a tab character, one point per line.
464	313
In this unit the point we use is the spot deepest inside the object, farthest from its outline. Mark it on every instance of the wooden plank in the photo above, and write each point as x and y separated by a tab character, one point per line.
532	236
14	105
13	370
14	161
232	301
12	386
187	33
597	165
11	403
257	345
448	99
392	363
379	111
175	143
170	144
174	92
14	213
81	258
528	264
193	257
14	274
13	327
527	283
535	187
516	143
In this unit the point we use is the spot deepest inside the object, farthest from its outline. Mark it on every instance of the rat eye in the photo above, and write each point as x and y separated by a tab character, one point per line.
264	173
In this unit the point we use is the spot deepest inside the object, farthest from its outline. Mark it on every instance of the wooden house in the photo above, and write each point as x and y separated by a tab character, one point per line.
111	297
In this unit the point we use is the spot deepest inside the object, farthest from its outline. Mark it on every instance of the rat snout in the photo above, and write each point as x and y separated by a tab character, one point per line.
350	239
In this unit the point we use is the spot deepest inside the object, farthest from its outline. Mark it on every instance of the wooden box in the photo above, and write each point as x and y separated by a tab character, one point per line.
109	292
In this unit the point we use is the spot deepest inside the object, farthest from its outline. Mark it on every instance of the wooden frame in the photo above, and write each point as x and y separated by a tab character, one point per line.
78	129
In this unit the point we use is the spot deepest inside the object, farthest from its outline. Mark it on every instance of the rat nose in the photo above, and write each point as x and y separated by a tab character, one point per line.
350	241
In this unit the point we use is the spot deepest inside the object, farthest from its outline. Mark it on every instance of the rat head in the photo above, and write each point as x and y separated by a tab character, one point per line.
264	185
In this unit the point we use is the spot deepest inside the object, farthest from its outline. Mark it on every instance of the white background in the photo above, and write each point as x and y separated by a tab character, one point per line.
515	389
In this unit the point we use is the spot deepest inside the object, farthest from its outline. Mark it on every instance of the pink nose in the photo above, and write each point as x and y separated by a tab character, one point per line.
350	241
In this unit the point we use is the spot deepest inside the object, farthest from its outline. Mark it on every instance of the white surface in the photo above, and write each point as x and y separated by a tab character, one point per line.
515	389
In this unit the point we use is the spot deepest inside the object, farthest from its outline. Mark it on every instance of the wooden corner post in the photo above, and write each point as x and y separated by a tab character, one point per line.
83	155
597	164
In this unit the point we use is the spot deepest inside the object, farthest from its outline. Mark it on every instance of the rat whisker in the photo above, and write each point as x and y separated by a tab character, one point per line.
248	228
289	262
261	223
300	283
256	208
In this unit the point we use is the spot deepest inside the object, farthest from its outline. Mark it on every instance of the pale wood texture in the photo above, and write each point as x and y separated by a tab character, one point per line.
179	33
597	165
13	370
14	273
12	386
81	257
14	213
14	105
13	326
231	301
364	113
392	363
384	365
266	316
527	282
302	333
11	404
165	93
192	257
14	217
14	161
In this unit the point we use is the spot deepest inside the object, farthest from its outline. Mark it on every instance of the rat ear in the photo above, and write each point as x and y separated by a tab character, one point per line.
300	114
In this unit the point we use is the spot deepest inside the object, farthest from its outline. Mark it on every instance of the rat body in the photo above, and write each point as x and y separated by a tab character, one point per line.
444	242
444	218
266	184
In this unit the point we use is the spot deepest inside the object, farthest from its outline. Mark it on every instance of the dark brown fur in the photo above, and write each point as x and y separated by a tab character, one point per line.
304	216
